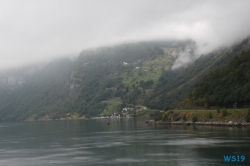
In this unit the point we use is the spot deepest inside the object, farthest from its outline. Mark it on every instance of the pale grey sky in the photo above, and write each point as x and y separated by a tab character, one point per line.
40	30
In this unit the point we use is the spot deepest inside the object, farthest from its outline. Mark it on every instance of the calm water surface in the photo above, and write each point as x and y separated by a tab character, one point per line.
124	142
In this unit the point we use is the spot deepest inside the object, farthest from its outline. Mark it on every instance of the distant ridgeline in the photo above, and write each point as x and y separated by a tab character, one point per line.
115	80
228	86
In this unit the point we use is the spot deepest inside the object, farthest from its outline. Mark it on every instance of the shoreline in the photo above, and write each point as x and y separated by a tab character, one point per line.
229	124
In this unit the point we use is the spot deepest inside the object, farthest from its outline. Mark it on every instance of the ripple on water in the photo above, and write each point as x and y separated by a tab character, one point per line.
114	144
162	154
193	141
129	160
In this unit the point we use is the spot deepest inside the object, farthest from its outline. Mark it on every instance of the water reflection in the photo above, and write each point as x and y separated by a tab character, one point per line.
123	142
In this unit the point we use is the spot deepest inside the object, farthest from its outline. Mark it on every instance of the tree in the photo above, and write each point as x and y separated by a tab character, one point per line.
248	116
166	108
210	116
224	112
194	119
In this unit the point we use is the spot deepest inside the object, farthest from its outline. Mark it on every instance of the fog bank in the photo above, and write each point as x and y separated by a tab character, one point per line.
34	31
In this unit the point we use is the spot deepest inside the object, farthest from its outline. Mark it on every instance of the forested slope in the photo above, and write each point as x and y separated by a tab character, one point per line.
44	94
174	85
101	81
228	86
104	80
114	77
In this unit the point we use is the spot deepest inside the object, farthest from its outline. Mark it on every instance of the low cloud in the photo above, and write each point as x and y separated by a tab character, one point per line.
35	31
187	56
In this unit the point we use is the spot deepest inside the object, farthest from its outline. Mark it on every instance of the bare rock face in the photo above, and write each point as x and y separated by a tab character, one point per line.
12	82
74	85
14	79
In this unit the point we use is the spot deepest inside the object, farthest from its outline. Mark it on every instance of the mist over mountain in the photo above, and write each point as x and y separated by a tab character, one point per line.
42	31
176	84
100	81
227	86
104	80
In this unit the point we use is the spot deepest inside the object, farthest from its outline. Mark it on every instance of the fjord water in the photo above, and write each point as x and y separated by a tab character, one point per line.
123	142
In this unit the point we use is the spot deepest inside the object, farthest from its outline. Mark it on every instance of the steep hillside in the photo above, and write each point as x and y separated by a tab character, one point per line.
119	76
228	86
104	80
14	79
44	94
174	85
100	82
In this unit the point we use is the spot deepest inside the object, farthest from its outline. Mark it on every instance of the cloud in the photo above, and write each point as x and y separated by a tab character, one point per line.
187	56
33	31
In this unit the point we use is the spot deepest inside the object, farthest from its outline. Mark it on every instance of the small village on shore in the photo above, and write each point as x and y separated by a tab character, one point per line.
127	112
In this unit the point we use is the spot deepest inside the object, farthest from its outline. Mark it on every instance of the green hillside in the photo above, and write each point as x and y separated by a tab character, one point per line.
100	82
43	95
174	85
119	76
228	86
104	80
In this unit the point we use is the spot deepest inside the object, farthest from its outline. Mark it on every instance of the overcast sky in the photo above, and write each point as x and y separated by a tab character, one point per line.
39	30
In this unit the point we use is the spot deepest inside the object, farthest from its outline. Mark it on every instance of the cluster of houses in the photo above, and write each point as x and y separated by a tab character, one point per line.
127	112
114	115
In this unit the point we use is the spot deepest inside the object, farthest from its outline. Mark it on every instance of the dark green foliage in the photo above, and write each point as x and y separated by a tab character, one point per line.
146	85
224	112
218	110
164	117
177	118
210	116
166	108
194	119
228	86
184	117
248	116
174	85
166	114
158	116
43	95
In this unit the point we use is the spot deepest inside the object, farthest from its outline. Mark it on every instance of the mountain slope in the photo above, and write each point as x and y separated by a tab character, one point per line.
228	86
113	77
176	84
43	95
100	82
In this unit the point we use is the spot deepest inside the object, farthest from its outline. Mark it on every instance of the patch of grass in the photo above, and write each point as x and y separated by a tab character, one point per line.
212	115
151	68
248	116
111	108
